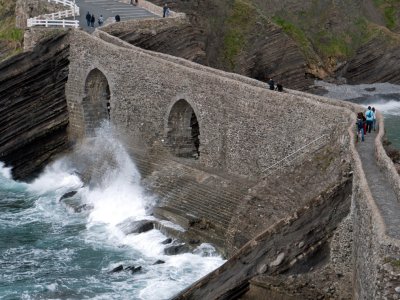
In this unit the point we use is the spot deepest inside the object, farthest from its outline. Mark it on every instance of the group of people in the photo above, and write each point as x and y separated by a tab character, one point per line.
90	19
366	122
279	86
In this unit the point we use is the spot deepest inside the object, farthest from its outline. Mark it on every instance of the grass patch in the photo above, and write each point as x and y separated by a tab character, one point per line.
389	9
239	23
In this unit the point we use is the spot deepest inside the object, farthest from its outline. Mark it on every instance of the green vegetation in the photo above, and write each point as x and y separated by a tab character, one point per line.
394	262
390	9
11	38
239	23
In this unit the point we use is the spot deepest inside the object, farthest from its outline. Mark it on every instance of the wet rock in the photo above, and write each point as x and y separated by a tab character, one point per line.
397	289
117	269
371	89
82	207
194	242
167	241
133	269
129	226
159	262
68	195
176	249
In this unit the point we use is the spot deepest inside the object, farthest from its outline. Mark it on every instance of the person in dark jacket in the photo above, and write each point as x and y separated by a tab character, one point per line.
117	18
88	18
92	20
165	9
271	84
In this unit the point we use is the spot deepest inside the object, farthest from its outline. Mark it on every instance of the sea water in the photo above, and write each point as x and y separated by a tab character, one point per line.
385	97
51	250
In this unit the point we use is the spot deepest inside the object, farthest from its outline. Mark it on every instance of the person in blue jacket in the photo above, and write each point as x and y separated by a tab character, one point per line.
369	114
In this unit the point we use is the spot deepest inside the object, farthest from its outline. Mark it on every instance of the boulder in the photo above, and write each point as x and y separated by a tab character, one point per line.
117	269
68	195
159	262
133	269
176	249
167	241
129	226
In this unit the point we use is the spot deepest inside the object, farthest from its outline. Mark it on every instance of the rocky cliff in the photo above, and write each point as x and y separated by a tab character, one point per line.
291	41
33	106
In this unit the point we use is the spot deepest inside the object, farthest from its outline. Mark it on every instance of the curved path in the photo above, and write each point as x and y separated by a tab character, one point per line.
109	9
381	190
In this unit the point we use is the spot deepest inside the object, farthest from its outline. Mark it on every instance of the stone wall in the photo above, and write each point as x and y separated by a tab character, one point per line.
238	122
376	255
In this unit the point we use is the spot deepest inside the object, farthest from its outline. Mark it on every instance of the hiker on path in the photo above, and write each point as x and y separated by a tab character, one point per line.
165	9
360	126
364	123
88	18
369	114
101	20
271	84
374	121
279	87
92	20
117	18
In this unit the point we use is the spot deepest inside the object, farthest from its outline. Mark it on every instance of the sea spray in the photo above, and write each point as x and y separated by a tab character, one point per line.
52	251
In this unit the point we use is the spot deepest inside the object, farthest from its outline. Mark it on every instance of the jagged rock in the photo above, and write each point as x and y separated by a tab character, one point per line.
176	249
129	226
133	269
68	195
159	261
194	241
117	269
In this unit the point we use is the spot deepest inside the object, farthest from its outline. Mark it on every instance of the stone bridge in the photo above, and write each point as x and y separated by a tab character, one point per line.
223	132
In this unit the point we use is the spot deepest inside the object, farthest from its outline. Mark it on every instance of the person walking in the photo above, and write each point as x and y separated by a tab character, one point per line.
374	120
360	126
92	20
165	9
117	18
369	114
88	18
271	84
101	20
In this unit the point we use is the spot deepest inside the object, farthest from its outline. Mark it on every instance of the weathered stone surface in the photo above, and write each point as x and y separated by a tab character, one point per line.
33	107
117	269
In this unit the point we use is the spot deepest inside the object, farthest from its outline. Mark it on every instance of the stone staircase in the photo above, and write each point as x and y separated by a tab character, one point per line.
201	202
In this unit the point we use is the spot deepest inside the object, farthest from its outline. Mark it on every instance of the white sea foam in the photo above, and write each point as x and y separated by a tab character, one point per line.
56	177
5	171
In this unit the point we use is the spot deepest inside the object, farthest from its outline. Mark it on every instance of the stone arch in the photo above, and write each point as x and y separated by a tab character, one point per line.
96	103
183	130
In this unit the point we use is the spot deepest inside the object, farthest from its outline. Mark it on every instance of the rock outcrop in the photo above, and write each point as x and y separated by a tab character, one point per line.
33	107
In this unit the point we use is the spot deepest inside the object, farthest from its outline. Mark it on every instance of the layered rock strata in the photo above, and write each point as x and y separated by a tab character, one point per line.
34	120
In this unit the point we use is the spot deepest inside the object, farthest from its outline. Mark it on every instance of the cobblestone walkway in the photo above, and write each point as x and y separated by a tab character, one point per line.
381	190
109	9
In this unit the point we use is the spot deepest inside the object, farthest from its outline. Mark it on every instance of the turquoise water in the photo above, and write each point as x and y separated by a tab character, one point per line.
49	251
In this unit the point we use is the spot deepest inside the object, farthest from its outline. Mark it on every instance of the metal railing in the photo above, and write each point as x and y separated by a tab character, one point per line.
314	144
57	18
48	23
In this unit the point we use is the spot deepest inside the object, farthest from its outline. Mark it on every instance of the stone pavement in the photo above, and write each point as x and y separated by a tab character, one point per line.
109	9
382	192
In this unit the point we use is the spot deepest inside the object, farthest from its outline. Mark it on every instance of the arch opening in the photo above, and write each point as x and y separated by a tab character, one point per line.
183	132
96	103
